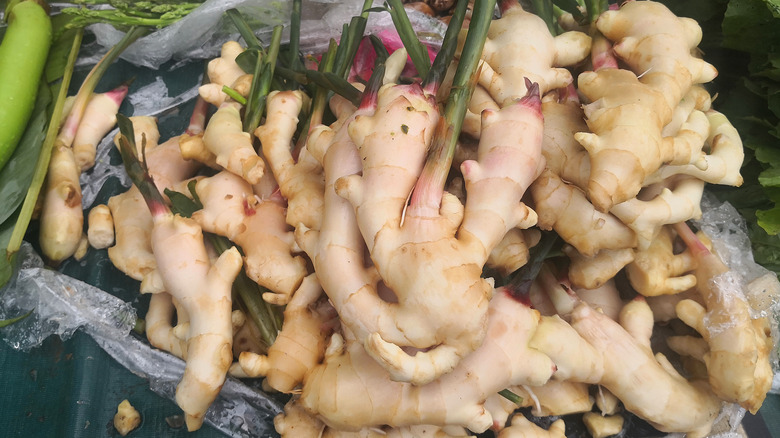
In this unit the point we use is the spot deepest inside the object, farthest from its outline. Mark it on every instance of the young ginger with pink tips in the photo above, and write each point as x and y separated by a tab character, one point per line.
403	241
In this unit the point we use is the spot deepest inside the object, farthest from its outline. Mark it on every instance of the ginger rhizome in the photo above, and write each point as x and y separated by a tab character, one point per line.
404	241
202	289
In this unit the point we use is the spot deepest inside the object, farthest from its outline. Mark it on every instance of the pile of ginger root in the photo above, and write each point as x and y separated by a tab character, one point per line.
406	309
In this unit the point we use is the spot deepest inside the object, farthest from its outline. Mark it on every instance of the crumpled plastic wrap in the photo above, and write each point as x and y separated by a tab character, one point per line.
63	305
726	227
200	34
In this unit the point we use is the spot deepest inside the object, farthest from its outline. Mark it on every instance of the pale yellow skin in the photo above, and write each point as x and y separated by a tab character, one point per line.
99	117
159	327
100	231
126	418
596	349
602	426
556	397
231	209
678	201
658	271
659	45
511	253
298	348
522	428
204	290
167	167
231	146
737	357
146	134
365	396
222	71
565	209
295	422
592	272
518	46
415	250
564	156
61	217
132	253
723	162
301	182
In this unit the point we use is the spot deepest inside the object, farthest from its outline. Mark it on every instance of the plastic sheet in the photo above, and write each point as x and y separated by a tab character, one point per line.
200	34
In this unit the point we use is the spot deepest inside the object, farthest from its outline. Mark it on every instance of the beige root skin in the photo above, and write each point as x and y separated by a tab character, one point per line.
204	291
193	148
678	201
167	167
159	326
738	357
565	209
563	154
365	395
601	426
658	271
625	119
231	209
295	422
61	217
657	44
126	418
98	119
722	163
146	134
522	428
222	71
132	253
301	182
520	46
511	252
556	397
298	348
592	272
100	231
605	298
404	242
231	146
618	356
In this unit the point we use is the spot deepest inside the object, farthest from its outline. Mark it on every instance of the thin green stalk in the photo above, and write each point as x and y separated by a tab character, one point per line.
262	85
243	28
136	169
7	322
42	165
235	95
449	45
430	185
521	280
416	50
350	41
595	8
511	396
265	317
295	36
320	99
544	10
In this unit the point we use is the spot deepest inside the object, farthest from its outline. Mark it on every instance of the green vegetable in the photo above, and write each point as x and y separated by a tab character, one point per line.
23	55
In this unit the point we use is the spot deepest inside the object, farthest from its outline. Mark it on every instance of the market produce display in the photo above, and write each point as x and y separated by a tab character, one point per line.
418	246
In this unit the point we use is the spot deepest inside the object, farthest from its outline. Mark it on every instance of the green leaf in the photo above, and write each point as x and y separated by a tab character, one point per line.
248	58
7	322
770	177
769	220
17	174
181	204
